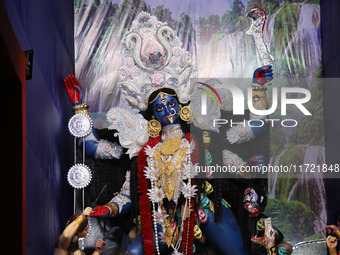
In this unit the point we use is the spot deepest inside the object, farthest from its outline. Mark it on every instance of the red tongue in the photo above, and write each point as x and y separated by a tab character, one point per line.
256	211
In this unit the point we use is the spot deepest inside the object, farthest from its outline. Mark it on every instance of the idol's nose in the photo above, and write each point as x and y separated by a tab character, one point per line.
172	111
166	110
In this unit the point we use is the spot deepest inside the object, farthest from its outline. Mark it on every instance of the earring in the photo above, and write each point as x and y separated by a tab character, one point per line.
186	113
154	127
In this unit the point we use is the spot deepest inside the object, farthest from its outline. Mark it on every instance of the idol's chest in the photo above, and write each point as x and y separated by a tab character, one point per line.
168	169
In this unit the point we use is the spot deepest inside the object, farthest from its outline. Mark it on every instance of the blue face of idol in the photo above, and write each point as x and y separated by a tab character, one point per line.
166	109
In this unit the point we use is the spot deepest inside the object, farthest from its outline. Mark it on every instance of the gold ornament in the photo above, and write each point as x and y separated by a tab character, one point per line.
169	170
154	127
168	235
338	233
113	209
82	108
79	220
170	146
186	113
161	94
176	236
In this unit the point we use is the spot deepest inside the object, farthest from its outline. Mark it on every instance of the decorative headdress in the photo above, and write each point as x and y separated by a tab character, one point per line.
153	59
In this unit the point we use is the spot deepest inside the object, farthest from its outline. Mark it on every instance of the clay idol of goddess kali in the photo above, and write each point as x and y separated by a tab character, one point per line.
176	213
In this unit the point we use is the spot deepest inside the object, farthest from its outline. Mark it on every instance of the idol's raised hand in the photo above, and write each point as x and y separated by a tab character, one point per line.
101	211
257	161
262	75
74	90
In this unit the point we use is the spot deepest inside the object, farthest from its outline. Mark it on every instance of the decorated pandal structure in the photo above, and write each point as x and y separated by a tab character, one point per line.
161	137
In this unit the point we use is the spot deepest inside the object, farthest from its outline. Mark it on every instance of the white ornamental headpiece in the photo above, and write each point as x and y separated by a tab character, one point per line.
131	127
153	59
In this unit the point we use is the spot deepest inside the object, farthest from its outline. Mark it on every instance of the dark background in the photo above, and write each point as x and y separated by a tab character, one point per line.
47	27
330	30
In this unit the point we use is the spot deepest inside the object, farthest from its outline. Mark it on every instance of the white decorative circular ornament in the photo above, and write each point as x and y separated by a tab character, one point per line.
80	125
176	51
79	176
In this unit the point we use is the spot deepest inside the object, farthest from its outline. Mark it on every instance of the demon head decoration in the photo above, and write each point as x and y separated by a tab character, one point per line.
272	239
250	201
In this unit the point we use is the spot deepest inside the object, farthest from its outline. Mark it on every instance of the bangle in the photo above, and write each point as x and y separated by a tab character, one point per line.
79	220
82	108
258	87
113	209
338	233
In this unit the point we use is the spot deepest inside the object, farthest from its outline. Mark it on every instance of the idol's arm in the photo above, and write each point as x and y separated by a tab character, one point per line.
257	124
225	237
94	147
231	159
100	148
119	204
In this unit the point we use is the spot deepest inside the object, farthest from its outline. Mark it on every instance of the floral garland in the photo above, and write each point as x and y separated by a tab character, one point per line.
144	203
190	242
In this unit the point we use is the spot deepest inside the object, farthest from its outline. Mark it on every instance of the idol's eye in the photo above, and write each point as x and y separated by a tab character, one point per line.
172	104
160	108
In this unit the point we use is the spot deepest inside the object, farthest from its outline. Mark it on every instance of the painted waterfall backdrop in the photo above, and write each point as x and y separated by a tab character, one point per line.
214	32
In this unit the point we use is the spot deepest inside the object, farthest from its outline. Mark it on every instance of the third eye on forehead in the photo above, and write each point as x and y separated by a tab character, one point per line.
167	99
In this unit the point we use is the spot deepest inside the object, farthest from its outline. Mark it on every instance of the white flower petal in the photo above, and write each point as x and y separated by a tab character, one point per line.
148	151
188	190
